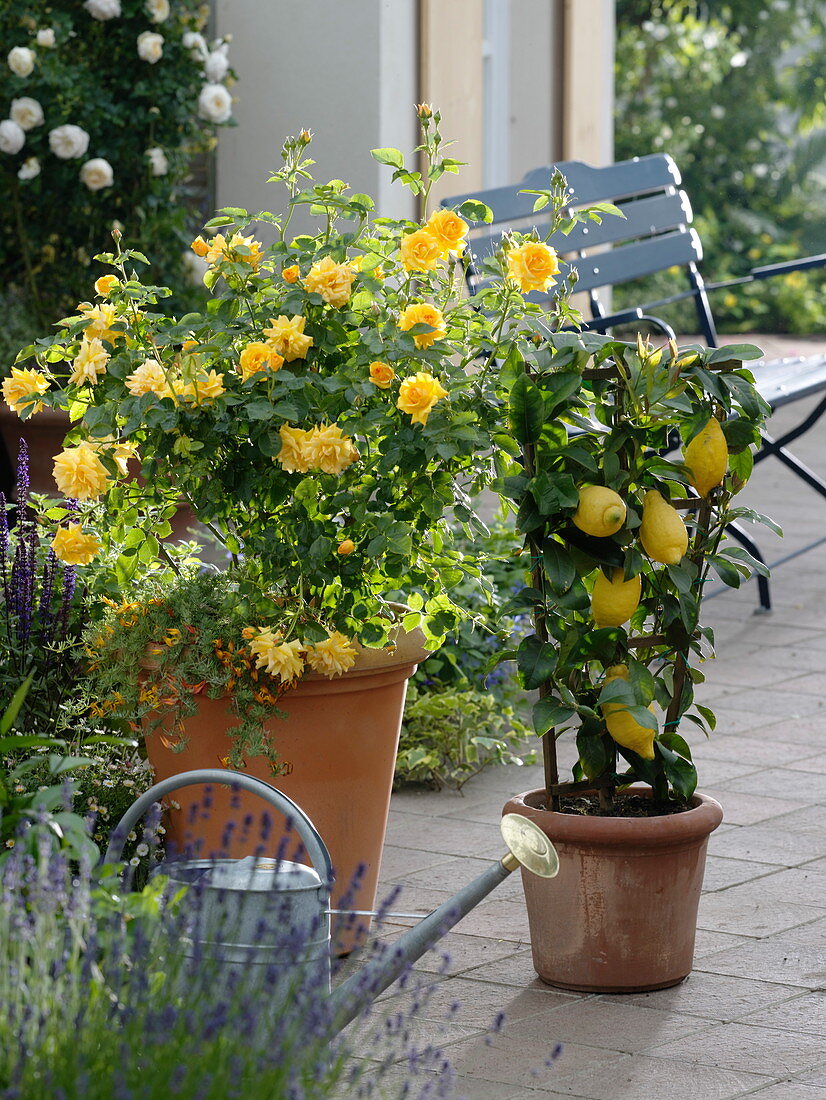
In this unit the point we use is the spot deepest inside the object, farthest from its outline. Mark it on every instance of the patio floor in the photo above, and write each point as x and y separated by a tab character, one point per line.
751	1018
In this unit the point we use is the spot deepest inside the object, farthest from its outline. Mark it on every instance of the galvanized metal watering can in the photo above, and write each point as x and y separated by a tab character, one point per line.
237	894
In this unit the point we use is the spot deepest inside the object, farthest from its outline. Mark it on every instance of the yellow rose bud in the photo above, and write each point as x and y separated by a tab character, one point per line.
106	284
71	546
199	247
418	395
381	374
291	274
424	110
346	547
532	266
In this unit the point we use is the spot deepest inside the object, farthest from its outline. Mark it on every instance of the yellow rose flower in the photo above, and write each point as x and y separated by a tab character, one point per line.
449	230
418	395
99	322
204	385
291	274
293	454
106	284
381	374
333	656
328	450
286	336
357	264
423	314
257	357
199	247
219	248
279	658
73	547
149	377
532	265
345	547
420	251
122	453
89	363
79	473
21	388
331	280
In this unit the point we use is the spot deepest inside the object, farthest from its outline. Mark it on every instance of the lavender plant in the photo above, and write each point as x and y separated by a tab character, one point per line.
41	613
97	1001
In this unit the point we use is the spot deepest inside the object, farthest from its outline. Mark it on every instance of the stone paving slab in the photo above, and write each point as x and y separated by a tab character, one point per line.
751	1018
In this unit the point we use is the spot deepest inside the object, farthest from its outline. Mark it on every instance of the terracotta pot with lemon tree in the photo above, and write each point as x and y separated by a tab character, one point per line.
622	536
330	418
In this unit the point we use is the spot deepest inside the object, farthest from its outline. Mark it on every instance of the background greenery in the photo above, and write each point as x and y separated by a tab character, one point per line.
734	91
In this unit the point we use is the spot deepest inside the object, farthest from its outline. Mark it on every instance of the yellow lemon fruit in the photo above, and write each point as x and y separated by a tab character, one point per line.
622	726
706	457
601	511
614	601
662	533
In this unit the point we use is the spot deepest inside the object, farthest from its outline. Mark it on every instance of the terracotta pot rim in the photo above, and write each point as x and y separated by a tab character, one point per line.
609	832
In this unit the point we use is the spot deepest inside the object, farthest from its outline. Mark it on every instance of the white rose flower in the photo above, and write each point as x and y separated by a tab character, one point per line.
216	65
214	103
26	112
21	60
158	10
68	141
195	267
45	37
97	173
157	161
103	9
12	138
150	46
195	43
29	169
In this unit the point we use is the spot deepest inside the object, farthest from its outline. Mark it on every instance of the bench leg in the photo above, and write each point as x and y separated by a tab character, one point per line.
749	544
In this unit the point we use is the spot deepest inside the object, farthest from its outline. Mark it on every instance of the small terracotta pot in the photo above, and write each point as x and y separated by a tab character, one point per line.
621	915
339	740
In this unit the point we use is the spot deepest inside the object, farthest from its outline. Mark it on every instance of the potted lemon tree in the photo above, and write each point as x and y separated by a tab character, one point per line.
622	536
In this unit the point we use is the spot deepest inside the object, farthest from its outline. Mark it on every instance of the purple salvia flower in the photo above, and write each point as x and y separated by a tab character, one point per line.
44	612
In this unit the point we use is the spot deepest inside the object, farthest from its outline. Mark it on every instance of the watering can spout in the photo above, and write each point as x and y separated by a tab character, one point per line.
527	846
308	892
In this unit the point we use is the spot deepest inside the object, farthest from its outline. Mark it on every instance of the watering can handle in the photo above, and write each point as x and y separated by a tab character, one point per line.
311	838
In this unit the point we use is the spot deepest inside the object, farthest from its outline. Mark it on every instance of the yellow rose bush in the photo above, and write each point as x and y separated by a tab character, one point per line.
330	417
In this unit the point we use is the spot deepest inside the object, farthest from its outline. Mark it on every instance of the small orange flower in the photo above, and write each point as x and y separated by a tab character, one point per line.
381	374
291	274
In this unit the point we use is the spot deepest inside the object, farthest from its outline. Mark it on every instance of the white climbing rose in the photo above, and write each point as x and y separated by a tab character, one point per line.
29	169
68	141
21	60
195	43
26	112
12	138
97	173
215	103
102	10
45	37
157	161
150	46
157	10
216	65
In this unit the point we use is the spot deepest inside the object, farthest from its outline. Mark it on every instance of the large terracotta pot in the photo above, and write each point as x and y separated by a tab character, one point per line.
339	741
621	915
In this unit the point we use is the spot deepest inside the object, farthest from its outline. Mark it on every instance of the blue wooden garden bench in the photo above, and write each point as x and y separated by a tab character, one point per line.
655	235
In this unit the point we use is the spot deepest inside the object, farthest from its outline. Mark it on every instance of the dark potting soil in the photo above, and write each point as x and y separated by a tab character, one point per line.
587	805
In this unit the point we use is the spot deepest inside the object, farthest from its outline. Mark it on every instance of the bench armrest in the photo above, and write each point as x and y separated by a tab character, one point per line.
803	264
